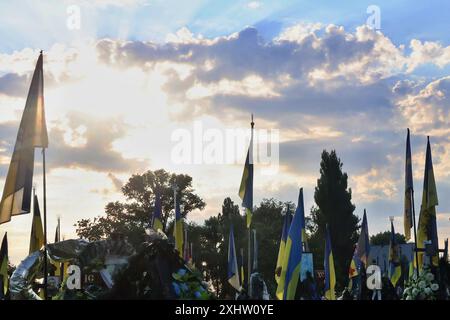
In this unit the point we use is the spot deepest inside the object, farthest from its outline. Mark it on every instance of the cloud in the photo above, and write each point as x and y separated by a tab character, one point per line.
97	152
254	5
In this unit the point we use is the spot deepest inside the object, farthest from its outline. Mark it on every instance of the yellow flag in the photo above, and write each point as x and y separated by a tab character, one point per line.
16	198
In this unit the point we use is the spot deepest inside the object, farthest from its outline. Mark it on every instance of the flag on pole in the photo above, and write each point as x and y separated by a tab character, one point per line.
284	233
157	213
427	228
178	228
363	247
395	269
246	188
37	231
16	198
330	275
233	271
353	270
4	265
290	269
408	213
242	267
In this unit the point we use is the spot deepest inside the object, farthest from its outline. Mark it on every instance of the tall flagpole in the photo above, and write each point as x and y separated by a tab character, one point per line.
415	233
249	261
45	223
414	220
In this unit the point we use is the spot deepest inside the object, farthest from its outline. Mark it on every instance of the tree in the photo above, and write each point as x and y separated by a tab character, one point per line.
334	207
133	216
383	238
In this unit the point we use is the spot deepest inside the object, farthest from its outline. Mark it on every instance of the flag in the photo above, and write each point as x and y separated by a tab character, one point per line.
395	269
4	265
178	228
408	213
16	198
233	271
284	233
242	267
330	275
353	270
363	247
157	213
304	238
290	269
246	188
37	231
427	228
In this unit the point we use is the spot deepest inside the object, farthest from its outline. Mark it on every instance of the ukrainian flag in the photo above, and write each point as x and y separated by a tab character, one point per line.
363	248
290	270
330	275
16	198
395	269
178	229
37	231
246	188
157	213
233	271
407	215
4	265
286	224
427	228
353	271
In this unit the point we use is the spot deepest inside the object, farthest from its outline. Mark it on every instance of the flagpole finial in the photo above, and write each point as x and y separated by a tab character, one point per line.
252	123
41	51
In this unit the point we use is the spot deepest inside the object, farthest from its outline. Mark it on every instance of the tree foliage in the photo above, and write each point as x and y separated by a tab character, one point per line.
133	216
383	238
335	208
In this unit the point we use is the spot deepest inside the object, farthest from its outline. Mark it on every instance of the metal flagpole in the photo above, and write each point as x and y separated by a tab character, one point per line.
249	262
415	233
45	223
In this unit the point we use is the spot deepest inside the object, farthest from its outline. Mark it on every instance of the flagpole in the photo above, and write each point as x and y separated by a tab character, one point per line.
415	233
45	223
249	261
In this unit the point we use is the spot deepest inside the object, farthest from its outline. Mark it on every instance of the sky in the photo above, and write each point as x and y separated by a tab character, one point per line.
123	78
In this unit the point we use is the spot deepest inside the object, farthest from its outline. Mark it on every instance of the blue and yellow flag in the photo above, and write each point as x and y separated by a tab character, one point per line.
330	275
233	271
409	189
246	188
16	198
363	248
284	233
178	232
4	265
353	270
427	227
157	213
395	269
290	269
37	231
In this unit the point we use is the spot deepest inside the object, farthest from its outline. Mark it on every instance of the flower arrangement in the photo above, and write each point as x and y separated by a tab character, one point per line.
188	285
423	287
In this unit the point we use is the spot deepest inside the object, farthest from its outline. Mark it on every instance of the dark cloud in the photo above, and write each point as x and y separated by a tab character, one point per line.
12	84
96	151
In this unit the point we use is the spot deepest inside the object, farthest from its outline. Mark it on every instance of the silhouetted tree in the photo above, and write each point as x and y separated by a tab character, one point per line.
383	238
134	215
335	208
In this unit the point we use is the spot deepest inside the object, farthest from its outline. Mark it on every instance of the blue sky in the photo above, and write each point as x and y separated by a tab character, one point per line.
151	20
136	71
